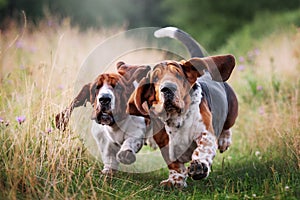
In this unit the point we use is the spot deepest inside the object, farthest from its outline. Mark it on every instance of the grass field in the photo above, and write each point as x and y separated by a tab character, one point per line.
38	66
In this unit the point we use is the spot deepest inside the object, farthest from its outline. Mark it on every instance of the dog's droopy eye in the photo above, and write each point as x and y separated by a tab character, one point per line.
155	79
156	74
178	76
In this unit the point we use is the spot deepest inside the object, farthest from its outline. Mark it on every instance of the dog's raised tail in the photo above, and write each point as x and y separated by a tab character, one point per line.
192	45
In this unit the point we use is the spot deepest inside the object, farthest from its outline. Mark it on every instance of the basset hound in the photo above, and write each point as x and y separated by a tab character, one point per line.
196	109
119	136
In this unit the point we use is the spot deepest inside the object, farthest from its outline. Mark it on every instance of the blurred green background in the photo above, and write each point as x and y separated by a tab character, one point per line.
210	22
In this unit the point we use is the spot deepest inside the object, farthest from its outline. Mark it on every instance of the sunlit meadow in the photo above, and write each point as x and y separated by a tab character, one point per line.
39	67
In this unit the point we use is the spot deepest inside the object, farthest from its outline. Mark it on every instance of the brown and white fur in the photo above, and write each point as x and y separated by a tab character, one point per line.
171	94
119	136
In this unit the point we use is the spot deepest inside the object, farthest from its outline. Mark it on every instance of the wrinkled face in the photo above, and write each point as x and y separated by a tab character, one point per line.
171	89
108	93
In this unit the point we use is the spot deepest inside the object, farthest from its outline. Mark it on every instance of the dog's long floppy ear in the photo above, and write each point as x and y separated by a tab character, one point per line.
191	73
121	67
140	99
220	67
85	95
132	72
92	92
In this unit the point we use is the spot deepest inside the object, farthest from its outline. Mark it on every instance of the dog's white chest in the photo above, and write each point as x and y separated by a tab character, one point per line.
132	126
104	132
184	129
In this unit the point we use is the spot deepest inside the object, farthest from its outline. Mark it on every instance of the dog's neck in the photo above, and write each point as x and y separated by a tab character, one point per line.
177	119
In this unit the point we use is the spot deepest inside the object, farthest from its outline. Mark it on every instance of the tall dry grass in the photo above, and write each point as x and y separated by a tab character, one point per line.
268	85
38	69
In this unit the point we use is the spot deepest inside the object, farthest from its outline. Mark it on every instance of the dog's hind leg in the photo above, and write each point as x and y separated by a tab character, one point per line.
224	140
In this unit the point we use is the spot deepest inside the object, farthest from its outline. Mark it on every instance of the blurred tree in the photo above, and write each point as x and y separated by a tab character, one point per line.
3	3
89	13
13	8
146	13
133	13
211	22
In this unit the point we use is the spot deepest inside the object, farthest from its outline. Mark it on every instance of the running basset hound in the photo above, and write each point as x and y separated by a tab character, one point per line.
197	109
119	136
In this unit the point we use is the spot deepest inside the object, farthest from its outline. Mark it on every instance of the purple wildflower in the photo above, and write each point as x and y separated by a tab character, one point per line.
50	23
261	110
241	67
256	52
241	59
1	120
32	49
60	87
20	119
19	44
49	130
22	67
259	88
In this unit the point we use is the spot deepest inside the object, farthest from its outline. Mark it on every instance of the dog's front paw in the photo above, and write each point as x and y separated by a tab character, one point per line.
108	171
168	184
61	120
175	180
198	170
126	157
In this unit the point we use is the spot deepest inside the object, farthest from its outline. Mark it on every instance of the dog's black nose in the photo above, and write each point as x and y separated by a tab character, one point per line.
169	88
105	99
166	90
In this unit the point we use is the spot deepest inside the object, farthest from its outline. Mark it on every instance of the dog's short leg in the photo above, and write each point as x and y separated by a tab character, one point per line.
224	140
134	137
177	176
109	170
108	150
110	163
203	156
62	119
130	147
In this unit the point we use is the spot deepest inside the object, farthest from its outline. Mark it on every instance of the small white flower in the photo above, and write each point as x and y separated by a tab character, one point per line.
257	153
286	187
254	195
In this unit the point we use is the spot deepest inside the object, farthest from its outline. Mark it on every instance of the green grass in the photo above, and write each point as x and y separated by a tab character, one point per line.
39	162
